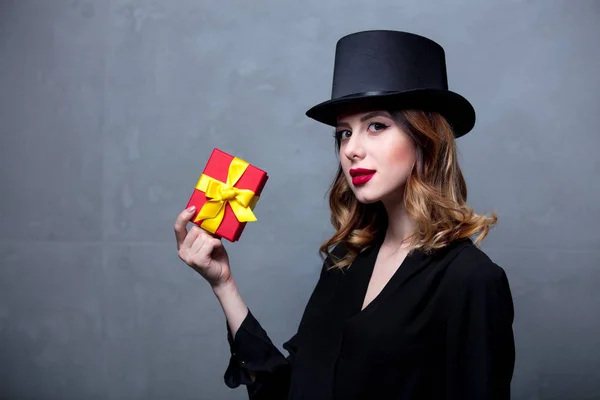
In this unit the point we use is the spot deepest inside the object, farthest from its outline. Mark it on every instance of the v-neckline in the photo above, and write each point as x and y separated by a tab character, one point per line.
370	278
372	260
365	268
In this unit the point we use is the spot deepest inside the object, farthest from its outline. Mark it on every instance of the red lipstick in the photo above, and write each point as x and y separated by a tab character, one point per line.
361	175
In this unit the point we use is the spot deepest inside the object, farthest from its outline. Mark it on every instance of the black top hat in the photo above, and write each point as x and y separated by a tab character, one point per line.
392	69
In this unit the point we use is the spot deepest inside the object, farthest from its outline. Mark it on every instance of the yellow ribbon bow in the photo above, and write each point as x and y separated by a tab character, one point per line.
242	201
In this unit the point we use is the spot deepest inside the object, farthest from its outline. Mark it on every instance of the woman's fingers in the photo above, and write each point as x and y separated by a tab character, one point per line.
190	239
200	240
180	225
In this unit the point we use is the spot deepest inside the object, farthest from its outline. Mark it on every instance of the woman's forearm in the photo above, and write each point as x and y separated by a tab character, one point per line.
232	304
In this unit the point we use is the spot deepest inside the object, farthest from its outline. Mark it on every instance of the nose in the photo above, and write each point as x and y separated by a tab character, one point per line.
353	148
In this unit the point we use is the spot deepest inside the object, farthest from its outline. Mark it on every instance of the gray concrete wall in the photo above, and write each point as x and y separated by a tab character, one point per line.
110	109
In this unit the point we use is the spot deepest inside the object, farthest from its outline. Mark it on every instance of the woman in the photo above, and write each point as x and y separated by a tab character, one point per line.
406	305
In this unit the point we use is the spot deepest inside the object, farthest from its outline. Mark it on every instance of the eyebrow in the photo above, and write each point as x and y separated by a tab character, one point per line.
368	116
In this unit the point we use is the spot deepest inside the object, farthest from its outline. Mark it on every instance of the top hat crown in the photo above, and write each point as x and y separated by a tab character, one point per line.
393	70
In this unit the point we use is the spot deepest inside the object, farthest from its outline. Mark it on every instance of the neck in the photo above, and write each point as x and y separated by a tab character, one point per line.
400	226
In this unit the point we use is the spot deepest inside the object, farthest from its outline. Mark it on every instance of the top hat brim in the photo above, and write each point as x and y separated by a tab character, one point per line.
455	108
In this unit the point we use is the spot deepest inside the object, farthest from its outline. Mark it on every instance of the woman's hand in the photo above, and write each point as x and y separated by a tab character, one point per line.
202	251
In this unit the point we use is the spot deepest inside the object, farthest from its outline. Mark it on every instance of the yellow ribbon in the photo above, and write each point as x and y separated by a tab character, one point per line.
242	201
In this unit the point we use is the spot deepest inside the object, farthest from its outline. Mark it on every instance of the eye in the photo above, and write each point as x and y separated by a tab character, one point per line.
340	134
379	126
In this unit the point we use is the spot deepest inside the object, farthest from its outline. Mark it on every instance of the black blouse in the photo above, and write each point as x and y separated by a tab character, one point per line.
440	329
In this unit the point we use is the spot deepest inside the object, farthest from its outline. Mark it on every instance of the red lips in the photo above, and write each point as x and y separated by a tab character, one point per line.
360	171
361	175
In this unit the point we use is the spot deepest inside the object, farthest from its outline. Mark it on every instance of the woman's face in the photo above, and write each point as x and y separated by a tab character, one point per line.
373	141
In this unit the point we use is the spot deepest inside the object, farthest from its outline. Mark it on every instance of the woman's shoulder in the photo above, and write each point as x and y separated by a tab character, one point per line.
470	263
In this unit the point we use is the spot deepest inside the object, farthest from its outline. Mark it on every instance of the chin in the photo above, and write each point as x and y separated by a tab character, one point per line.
366	199
366	195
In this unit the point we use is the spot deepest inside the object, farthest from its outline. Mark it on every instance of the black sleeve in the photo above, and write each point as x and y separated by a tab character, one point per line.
480	342
252	350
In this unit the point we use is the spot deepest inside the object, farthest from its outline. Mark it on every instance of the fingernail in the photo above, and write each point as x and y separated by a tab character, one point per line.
191	209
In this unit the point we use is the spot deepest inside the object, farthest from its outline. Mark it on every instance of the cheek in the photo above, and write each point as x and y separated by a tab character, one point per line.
402	156
345	164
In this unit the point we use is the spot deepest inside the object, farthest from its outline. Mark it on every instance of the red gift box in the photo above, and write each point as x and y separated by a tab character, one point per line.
226	194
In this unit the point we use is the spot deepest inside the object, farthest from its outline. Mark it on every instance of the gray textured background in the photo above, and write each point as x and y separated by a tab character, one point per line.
110	109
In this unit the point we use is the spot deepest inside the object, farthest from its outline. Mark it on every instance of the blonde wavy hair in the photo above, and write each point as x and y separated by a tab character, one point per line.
435	197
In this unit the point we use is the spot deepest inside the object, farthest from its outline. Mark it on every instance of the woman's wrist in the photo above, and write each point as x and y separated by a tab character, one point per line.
225	288
232	303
